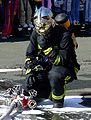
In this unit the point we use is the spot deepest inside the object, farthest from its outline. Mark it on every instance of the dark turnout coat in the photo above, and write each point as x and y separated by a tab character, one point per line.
57	52
60	41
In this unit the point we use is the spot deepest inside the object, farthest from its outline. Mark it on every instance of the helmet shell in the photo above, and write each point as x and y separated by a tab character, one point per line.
43	20
43	12
61	18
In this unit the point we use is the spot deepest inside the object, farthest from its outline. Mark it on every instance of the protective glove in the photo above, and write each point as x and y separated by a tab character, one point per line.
28	63
32	65
29	83
38	68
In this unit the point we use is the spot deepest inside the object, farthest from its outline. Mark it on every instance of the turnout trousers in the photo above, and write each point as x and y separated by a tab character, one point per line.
57	81
38	82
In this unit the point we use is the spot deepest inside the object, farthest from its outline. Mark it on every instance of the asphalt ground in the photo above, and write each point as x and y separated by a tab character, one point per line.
12	55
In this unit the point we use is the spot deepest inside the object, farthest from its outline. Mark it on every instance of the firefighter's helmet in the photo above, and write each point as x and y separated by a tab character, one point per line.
43	20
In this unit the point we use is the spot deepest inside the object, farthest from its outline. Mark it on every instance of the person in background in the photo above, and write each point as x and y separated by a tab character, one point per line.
25	14
10	10
0	2
75	11
36	4
57	6
1	13
47	3
50	59
63	20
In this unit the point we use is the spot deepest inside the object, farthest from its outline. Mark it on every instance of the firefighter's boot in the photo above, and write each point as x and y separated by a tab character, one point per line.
58	103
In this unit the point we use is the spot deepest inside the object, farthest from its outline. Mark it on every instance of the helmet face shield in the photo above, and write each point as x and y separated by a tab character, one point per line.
43	20
43	24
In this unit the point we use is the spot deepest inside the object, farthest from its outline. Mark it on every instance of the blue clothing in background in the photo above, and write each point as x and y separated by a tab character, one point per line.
47	3
75	10
57	6
67	6
88	11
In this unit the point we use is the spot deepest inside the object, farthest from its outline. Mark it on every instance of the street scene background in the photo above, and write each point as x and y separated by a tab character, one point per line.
14	42
12	56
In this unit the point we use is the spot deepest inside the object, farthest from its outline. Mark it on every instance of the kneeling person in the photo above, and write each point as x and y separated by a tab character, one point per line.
48	58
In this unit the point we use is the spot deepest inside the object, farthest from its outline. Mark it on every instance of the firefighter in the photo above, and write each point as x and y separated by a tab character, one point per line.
49	63
62	19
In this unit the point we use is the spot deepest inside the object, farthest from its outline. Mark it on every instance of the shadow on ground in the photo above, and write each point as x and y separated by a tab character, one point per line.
17	36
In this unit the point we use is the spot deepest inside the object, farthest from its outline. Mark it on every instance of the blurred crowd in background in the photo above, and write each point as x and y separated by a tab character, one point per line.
18	14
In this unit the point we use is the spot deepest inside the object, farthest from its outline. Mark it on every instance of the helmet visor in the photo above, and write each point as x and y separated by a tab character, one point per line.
43	24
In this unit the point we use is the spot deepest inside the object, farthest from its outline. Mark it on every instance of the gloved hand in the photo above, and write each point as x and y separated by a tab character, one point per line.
29	83
38	68
28	63
32	65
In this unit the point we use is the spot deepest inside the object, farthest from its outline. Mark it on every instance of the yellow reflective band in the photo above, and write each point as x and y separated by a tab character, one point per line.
76	70
50	96
67	78
58	97
47	51
39	47
57	60
27	59
28	71
64	89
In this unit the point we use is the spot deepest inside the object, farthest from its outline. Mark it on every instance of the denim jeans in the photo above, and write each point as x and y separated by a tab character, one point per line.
69	3
75	10
88	11
57	7
46	3
67	8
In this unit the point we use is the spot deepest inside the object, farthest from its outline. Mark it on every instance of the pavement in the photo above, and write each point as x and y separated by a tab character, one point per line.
12	56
